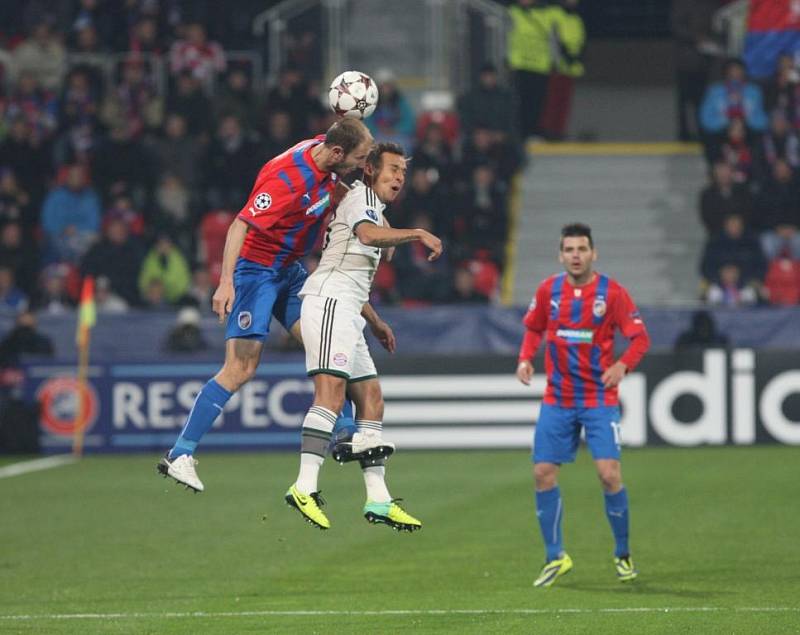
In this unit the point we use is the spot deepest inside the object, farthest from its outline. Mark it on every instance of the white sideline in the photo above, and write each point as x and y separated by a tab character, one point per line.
36	465
300	613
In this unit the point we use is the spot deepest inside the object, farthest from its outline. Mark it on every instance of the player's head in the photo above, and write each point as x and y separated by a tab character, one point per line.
576	250
348	142
385	170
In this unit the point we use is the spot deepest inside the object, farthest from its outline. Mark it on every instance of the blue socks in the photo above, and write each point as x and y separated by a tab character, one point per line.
207	406
617	513
549	511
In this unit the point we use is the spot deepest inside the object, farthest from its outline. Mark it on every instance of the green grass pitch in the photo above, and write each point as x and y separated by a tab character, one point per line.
714	535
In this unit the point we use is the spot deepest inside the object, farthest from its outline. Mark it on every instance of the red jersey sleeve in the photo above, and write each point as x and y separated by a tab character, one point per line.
270	200
629	321
535	322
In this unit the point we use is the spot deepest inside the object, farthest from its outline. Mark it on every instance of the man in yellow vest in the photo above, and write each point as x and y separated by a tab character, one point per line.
569	37
530	59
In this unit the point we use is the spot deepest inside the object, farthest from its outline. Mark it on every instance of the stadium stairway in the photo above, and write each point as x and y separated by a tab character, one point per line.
641	201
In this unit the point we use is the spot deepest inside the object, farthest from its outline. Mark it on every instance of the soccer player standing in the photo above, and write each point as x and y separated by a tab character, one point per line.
337	356
262	273
576	313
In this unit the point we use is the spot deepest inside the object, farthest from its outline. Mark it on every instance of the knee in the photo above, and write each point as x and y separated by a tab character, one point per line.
237	372
610	479
545	476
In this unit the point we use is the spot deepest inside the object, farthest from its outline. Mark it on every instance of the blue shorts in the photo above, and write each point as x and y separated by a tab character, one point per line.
558	433
261	293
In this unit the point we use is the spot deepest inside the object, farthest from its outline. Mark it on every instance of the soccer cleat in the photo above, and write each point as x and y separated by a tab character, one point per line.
625	569
363	446
182	470
391	514
553	570
309	507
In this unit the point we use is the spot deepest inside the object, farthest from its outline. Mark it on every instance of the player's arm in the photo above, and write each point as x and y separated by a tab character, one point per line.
373	236
380	329
222	301
535	322
629	321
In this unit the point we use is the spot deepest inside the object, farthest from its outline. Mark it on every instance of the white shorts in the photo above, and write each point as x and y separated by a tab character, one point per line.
333	336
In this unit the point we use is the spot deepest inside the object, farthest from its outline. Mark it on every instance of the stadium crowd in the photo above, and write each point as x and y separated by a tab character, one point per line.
131	133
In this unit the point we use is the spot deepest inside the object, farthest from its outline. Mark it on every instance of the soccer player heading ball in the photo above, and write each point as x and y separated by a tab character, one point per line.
576	313
337	356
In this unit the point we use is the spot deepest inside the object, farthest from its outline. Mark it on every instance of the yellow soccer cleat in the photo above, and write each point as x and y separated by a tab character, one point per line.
553	570
625	569
391	514
309	506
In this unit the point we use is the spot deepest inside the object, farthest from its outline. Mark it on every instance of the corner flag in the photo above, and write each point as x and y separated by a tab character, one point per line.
87	313
87	316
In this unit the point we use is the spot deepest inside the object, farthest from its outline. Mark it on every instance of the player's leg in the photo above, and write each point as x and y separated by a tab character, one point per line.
603	439
371	451
556	438
287	312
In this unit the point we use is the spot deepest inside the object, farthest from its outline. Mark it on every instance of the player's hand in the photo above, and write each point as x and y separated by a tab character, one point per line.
222	302
525	372
385	335
614	375
431	242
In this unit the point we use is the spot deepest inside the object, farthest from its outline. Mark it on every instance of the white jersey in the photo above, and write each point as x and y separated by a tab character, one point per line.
347	266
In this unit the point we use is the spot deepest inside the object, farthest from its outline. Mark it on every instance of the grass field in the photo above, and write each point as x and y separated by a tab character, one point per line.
105	546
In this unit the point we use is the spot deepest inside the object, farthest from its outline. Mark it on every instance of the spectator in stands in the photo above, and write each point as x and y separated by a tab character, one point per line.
531	60
236	98
196	54
186	336
734	248
481	218
12	298
14	201
123	165
19	254
736	150
106	300
782	94
79	109
419	280
464	291
722	197
174	209
782	282
28	157
695	48
178	153
201	290
423	195
118	256
277	134
434	153
86	40
290	95
394	118
144	37
154	297
43	56
489	106
134	102
98	17
189	101
701	334
122	207
24	339
35	105
730	288
733	98
481	148
70	217
234	160
779	142
165	263
53	296
780	212
568	38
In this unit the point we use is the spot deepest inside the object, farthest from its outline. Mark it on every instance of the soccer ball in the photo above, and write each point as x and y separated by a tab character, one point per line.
353	94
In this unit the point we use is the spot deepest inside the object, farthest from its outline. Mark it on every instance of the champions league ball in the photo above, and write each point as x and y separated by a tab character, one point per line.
353	94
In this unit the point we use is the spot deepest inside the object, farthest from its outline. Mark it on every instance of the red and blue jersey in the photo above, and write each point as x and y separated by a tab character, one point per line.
286	208
578	326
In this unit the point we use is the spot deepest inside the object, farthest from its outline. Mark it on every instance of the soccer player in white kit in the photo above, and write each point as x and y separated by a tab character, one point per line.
337	356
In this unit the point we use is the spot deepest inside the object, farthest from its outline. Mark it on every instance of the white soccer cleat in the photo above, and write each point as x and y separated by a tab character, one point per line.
366	445
182	470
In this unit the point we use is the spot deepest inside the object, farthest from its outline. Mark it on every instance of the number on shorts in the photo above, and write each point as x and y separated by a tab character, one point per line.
615	428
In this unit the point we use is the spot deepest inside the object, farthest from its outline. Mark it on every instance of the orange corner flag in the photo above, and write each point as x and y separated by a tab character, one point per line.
87	313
